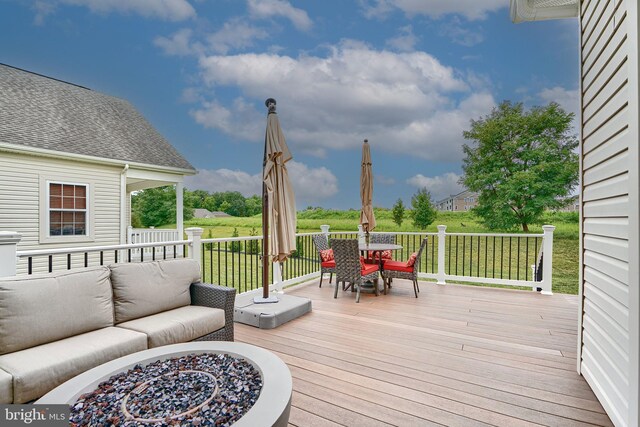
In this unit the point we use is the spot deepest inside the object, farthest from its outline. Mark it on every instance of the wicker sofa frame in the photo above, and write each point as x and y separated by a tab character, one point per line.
215	296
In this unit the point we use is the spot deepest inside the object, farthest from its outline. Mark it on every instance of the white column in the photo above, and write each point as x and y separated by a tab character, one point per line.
360	235
195	248
8	247
325	230
547	260
441	249
179	209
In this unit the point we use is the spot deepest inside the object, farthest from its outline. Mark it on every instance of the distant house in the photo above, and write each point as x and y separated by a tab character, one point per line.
70	158
462	201
204	213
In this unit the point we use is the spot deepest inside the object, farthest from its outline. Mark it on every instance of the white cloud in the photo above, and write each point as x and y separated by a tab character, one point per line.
234	34
310	185
439	186
170	10
217	180
270	8
42	9
405	41
179	43
404	102
471	9
460	33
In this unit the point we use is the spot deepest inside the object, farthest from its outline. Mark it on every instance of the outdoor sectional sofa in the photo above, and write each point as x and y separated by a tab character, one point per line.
54	327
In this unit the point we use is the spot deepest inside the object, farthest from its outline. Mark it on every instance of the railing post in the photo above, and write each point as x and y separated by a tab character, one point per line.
441	250
325	230
194	234
277	277
547	260
8	247
360	235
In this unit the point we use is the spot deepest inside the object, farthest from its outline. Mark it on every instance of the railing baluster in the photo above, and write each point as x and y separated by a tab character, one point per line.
68	261
478	268
86	259
518	260
510	244
50	263
464	238
486	253
471	257
30	265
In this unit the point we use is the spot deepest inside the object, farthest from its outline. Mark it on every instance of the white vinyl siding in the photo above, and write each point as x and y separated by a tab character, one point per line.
21	198
607	135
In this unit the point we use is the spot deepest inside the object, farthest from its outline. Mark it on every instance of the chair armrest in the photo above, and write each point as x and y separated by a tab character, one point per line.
216	296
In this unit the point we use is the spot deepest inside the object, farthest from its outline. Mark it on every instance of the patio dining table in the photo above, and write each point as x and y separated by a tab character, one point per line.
379	248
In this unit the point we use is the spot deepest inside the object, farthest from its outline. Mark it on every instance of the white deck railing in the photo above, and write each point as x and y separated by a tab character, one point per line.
487	258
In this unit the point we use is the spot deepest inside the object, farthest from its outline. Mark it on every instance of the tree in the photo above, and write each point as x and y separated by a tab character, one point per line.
157	206
398	212
423	213
521	162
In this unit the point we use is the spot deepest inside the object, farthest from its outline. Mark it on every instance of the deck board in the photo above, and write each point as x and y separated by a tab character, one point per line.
457	355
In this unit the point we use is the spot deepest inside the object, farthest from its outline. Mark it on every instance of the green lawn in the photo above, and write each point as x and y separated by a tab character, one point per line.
565	254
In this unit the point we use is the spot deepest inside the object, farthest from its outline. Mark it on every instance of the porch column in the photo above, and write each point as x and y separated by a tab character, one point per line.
547	260
8	247
180	210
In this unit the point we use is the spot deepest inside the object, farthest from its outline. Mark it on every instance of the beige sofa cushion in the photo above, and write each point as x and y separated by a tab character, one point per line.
178	325
40	309
38	370
141	289
6	387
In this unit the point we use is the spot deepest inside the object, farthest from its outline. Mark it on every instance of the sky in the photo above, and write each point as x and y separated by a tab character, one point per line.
408	75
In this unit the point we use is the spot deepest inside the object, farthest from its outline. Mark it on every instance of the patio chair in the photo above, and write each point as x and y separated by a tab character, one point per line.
405	270
350	268
381	238
321	243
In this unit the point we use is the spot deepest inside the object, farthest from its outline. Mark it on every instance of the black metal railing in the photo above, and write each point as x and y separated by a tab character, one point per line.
53	260
506	256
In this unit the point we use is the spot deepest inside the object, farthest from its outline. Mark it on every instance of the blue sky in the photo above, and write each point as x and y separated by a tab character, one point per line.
408	75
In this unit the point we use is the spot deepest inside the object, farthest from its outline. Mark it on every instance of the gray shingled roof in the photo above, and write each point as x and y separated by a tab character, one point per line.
42	112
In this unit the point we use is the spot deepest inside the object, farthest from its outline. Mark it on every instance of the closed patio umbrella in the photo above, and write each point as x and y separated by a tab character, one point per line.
278	200
367	218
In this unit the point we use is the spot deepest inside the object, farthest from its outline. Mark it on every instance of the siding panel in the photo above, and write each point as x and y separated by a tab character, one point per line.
606	139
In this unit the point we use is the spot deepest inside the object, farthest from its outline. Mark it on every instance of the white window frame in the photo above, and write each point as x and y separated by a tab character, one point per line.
45	236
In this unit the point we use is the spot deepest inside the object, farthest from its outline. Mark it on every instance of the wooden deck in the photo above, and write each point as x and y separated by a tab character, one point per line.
456	356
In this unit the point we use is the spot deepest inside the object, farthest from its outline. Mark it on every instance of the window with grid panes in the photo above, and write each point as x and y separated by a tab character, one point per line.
67	209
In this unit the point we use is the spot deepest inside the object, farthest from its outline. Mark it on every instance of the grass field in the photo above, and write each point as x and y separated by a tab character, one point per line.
565	253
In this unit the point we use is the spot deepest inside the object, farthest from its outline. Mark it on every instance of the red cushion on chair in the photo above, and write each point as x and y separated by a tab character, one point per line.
329	264
385	255
370	268
397	266
363	264
412	260
327	255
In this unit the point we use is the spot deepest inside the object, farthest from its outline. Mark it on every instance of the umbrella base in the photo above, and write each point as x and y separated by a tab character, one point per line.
268	300
268	316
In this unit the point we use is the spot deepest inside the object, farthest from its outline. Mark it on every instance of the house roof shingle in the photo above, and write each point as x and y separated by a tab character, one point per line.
42	112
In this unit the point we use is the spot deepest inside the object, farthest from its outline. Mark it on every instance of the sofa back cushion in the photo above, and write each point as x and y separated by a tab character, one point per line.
40	309
145	288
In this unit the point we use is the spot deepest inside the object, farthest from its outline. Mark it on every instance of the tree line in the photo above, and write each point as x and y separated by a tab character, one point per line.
154	207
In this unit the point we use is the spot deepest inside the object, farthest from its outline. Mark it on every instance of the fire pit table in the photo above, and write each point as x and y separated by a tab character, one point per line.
271	408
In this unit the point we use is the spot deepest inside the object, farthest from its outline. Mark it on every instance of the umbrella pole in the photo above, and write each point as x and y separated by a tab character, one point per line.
265	242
